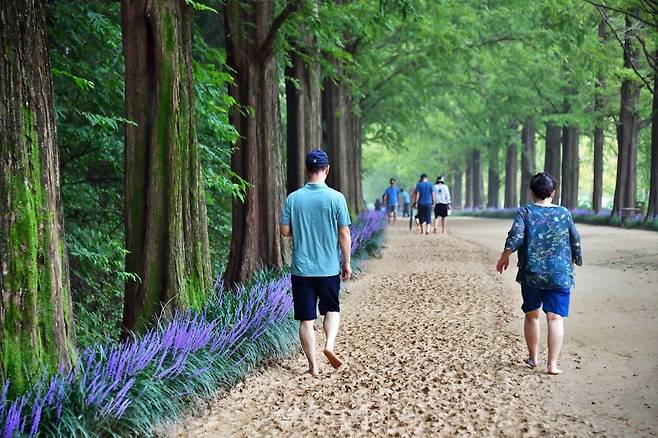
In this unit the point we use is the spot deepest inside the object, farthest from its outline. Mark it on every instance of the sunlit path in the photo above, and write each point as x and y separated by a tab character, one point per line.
433	348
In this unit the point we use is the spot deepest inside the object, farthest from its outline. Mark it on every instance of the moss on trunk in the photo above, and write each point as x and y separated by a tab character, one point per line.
166	225
35	307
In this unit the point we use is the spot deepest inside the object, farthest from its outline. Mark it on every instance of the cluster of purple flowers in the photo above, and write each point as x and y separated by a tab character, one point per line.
103	378
369	224
103	382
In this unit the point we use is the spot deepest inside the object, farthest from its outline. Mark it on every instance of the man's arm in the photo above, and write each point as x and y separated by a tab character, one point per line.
345	242
285	230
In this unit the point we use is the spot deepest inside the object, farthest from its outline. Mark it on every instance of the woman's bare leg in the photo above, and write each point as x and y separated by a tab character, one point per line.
555	336
531	332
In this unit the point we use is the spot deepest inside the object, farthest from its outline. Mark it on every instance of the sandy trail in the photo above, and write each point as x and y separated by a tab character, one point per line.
610	353
431	345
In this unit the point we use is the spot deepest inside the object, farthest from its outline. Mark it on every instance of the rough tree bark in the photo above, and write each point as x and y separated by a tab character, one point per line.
36	316
456	189
570	167
652	209
303	114
493	175
528	159
553	155
478	181
597	190
510	175
355	199
165	216
627	131
335	134
251	29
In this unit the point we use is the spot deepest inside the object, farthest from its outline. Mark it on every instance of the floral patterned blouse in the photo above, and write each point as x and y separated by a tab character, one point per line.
548	245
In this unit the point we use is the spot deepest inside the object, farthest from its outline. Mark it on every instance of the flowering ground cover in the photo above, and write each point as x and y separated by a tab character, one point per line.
580	215
127	388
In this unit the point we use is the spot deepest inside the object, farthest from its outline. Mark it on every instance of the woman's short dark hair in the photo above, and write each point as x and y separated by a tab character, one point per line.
542	185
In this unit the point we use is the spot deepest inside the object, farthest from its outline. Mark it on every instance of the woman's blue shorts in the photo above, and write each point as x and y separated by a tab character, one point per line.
550	300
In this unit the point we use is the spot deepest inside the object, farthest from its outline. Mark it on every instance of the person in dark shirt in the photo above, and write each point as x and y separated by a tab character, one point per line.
548	246
425	202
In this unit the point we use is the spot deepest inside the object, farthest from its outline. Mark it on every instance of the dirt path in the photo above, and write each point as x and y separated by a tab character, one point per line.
611	340
430	350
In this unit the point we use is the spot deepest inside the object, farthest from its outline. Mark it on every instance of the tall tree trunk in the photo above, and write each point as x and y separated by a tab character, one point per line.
468	198
570	167
456	189
528	159
336	134
165	216
255	240
303	115
510	176
355	192
493	174
652	209
478	181
597	190
627	131
36	316
553	155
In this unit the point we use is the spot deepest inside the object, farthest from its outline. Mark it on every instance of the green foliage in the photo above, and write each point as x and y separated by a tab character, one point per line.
88	77
451	77
87	59
216	137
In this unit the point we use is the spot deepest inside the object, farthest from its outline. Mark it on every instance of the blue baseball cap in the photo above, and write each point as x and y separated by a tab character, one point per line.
317	158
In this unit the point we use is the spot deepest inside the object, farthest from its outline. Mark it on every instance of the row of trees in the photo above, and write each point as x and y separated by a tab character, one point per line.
165	134
560	86
165	209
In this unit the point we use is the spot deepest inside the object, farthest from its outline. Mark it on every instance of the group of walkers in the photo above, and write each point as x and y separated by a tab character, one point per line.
316	217
427	199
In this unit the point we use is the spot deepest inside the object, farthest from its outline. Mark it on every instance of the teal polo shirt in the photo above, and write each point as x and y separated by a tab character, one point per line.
314	214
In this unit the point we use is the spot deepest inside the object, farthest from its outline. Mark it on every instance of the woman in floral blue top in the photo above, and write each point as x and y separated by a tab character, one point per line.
548	246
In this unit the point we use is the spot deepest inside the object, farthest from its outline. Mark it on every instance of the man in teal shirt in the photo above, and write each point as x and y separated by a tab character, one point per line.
317	219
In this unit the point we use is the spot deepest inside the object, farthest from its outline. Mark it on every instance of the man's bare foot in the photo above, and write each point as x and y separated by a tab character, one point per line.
434	230
333	360
554	371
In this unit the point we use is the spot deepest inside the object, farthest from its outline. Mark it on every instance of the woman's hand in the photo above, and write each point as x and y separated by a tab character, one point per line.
503	262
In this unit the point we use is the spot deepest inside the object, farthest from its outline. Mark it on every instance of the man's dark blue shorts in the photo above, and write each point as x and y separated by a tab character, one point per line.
306	291
550	300
425	213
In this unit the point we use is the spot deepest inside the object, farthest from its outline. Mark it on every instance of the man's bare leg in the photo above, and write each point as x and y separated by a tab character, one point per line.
330	325
555	335
307	338
394	217
531	331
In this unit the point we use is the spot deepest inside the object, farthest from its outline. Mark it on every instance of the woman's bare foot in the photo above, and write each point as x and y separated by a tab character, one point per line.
312	373
532	363
554	371
333	360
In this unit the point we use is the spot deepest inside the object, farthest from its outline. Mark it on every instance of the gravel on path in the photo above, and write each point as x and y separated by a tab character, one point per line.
427	351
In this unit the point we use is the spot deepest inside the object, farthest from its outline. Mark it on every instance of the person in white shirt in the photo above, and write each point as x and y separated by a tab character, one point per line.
442	203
